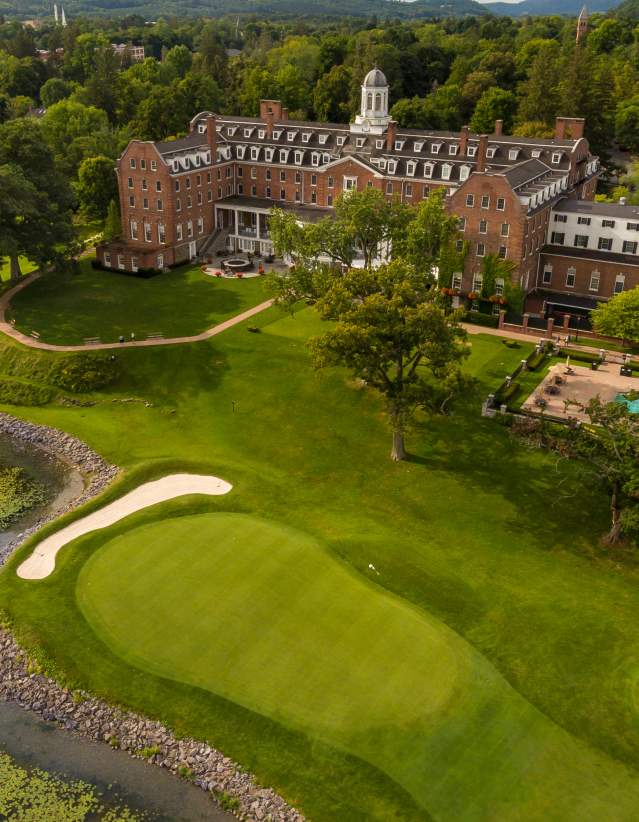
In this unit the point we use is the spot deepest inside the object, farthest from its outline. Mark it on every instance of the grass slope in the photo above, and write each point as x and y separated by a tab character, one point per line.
66	308
262	616
495	541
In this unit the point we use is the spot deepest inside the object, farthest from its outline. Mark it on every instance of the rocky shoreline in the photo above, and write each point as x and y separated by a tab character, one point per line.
141	737
81	713
97	472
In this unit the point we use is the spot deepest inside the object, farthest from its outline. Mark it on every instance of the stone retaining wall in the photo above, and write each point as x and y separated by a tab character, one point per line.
97	472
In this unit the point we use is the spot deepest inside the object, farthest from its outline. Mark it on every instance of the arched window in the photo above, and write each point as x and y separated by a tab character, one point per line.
378	102
369	101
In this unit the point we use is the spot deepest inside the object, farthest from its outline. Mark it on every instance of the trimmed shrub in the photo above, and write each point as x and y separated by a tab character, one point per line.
507	394
536	359
476	317
141	273
80	373
14	392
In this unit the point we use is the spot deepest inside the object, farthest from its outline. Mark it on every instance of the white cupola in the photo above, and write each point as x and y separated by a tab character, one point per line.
373	117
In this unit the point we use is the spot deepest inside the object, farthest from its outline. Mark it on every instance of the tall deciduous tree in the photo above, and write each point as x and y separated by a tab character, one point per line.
97	185
389	332
619	317
43	233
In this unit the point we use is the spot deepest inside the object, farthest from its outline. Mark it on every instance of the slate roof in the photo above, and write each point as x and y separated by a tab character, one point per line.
593	209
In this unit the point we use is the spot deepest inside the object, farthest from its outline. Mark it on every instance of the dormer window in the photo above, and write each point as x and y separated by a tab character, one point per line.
399	145
306	136
207	159
464	173
248	132
299	156
315	158
255	152
536	154
453	148
201	128
435	148
491	151
382	163
240	152
411	165
556	157
268	154
261	134
513	153
231	131
446	170
322	139
283	155
361	141
418	145
379	143
340	141
392	166
428	169
326	158
291	135
471	151
277	133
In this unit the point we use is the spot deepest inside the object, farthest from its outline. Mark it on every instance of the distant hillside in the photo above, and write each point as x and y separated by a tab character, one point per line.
569	8
152	9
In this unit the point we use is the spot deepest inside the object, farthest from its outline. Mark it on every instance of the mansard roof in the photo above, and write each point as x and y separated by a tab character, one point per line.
593	208
191	141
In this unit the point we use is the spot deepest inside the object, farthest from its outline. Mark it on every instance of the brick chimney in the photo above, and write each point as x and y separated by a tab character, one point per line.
567	128
481	153
211	135
284	113
499	128
391	133
463	141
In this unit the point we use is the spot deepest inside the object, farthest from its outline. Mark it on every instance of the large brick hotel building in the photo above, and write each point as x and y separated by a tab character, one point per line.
215	187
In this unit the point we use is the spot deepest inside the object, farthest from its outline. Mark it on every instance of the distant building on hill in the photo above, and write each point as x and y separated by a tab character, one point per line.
135	53
582	24
214	189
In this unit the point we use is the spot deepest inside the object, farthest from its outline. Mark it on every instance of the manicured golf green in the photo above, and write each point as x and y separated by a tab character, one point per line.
69	308
489	546
262	615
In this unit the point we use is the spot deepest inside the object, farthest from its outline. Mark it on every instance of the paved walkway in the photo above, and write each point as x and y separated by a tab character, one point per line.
31	342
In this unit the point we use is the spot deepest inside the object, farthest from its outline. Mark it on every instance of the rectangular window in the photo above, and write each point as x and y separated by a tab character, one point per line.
148	237
501	204
298	177
389	188
154	165
570	278
198	179
329	200
177	185
583	220
629	247
132	201
187	182
253	173
268	193
107	260
505	229
158	186
178	232
200	225
189	228
547	276
620	281
160	205
605	244
282	194
607	223
461	224
457	280
130	182
145	203
134	230
210	196
145	187
485	201
481	249
199	198
470	200
189	201
595	279
282	176
132	162
313	196
178	204
240	171
483	226
557	238
581	241
253	191
240	190
561	218
121	261
459	246
632	226
503	251
161	233
330	182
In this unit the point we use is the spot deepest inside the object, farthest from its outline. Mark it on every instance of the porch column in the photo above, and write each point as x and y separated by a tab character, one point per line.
525	319
566	322
550	327
502	317
257	225
235	218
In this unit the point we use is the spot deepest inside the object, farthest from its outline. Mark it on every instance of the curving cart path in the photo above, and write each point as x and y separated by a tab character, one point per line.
31	342
41	563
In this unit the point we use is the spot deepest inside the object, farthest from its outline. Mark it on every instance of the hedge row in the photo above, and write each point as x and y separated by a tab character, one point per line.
141	273
488	320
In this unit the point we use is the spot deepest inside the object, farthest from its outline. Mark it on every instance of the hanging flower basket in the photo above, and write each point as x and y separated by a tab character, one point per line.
473	295
494	298
443	291
502	301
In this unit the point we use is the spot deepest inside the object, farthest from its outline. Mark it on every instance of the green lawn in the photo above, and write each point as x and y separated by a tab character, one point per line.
67	308
489	672
5	268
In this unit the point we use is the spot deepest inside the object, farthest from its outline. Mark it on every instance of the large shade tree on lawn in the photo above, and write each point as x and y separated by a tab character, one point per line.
611	445
619	317
389	332
388	328
36	223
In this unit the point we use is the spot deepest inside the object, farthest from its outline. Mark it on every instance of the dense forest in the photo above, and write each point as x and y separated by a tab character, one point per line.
66	88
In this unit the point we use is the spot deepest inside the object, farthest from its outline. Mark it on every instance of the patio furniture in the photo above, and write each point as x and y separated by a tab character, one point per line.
551	389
